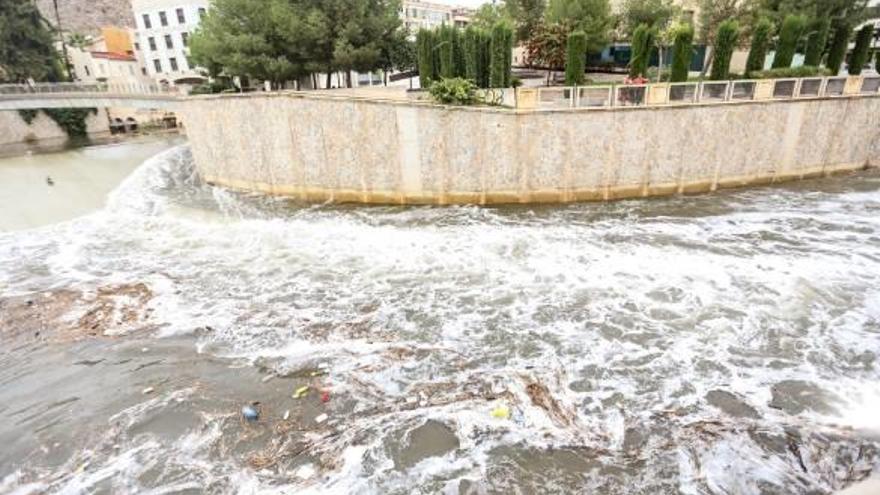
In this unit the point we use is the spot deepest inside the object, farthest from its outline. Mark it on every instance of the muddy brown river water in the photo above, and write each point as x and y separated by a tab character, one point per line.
721	344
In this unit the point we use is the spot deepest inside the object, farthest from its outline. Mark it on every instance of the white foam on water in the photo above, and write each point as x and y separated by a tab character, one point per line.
629	313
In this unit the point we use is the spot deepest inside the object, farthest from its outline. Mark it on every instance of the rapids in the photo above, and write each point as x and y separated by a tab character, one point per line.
718	344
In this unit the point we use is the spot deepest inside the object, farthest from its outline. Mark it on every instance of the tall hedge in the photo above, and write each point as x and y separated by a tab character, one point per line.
575	58
877	62
839	46
446	48
817	40
862	52
501	55
425	54
789	36
725	42
760	44
642	44
682	53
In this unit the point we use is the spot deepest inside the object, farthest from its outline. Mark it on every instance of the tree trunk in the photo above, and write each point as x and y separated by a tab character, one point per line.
329	78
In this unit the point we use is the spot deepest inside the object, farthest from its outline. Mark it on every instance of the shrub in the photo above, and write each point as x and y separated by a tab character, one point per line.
760	43
862	52
682	52
877	62
425	53
471	46
839	45
575	58
725	43
642	43
790	72
501	55
454	91
458	53
789	35
817	39
485	59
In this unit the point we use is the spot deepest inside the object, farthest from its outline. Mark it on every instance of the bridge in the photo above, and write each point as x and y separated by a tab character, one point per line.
87	95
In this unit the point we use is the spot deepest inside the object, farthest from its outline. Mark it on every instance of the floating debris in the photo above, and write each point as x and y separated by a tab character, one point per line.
250	413
286	415
501	412
325	396
148	390
301	392
267	378
305	472
321	418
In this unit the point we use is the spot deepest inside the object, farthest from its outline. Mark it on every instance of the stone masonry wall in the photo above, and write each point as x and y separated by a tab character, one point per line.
320	148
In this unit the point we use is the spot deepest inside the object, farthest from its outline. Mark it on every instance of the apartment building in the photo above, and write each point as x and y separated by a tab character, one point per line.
162	37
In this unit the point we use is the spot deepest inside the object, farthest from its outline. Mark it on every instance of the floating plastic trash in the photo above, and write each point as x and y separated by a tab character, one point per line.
321	418
325	396
301	392
250	413
501	412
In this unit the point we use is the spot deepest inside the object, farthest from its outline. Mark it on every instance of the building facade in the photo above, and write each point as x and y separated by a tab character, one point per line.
162	38
417	15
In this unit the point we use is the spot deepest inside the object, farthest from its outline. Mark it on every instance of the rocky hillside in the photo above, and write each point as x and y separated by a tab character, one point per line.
88	16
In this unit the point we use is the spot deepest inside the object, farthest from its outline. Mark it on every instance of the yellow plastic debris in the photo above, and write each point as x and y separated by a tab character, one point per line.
301	392
501	412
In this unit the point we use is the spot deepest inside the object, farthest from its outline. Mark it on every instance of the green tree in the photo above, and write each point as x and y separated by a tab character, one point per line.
789	37
26	44
725	42
593	17
817	39
425	53
682	52
399	53
760	43
458	52
877	61
471	48
487	15
502	53
576	54
445	47
862	51
526	16
654	13
642	46
839	46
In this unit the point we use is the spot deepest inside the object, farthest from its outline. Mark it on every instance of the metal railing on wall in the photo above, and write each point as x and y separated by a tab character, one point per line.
87	88
690	93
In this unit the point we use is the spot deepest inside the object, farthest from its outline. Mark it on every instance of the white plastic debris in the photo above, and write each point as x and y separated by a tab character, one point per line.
148	390
286	415
321	418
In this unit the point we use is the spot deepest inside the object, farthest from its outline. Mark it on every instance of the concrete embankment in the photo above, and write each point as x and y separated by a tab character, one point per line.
316	147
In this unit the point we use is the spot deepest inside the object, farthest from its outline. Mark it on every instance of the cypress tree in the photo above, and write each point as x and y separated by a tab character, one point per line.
877	62
575	58
501	54
839	45
789	35
458	52
425	53
760	43
642	43
471	47
682	52
816	41
446	49
725	43
862	51
485	58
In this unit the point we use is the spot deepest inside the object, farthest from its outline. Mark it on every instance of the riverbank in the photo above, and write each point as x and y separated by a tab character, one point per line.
80	180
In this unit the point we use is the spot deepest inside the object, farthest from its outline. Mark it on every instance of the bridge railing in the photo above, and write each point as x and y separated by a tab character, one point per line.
692	93
88	88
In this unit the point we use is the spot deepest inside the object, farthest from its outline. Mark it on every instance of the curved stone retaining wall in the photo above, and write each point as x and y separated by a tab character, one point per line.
318	147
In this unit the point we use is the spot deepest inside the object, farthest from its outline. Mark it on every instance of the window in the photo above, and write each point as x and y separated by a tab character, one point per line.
144	71
137	46
152	42
163	19
86	67
169	43
180	17
201	12
147	23
173	62
184	37
158	65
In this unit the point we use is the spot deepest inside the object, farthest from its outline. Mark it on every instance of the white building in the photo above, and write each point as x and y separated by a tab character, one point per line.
418	14
162	38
